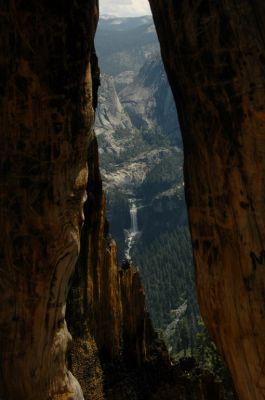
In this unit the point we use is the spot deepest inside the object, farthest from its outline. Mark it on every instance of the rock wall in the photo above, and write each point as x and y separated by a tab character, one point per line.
138	334
49	79
214	56
46	116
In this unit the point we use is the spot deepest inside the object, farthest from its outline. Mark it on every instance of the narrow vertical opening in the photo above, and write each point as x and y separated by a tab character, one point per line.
141	158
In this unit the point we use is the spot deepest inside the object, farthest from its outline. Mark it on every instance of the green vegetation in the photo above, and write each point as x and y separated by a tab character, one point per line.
208	357
132	148
163	176
163	251
120	133
167	270
206	351
155	139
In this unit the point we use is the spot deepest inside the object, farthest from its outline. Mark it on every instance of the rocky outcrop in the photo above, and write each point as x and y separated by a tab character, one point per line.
149	102
138	334
214	57
46	116
106	306
110	113
94	300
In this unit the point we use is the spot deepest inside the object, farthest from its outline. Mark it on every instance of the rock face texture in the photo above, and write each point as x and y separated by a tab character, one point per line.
48	87
110	112
46	116
214	56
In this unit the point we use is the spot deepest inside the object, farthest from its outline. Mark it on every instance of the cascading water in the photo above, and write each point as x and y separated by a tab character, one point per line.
133	232
134	222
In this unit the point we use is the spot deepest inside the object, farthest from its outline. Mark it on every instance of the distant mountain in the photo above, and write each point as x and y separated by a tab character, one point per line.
141	164
141	159
137	127
112	23
123	44
138	134
149	102
110	113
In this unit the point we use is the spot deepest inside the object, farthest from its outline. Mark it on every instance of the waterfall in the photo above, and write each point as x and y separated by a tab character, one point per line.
134	222
132	233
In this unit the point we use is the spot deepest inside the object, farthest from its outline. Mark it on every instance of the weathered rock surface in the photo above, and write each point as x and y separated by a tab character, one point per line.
148	100
214	56
130	174
46	116
110	113
136	127
47	94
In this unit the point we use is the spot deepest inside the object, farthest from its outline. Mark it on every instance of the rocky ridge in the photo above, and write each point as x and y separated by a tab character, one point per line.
128	121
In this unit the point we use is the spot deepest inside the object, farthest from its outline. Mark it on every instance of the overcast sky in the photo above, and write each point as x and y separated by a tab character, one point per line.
124	8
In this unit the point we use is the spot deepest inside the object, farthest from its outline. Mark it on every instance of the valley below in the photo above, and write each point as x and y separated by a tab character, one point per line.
99	296
141	159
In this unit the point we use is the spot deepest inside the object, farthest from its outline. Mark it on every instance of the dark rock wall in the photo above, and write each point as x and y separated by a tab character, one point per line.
138	334
46	116
214	56
49	165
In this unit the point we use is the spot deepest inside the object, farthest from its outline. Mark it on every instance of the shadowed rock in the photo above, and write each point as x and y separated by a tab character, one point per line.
46	116
214	56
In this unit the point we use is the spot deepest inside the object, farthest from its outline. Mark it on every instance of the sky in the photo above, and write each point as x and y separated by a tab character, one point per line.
124	8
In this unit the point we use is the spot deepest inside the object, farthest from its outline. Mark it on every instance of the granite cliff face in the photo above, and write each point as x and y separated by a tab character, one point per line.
214	56
46	117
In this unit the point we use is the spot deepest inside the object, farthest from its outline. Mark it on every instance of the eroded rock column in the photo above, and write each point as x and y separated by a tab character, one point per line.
214	56
46	116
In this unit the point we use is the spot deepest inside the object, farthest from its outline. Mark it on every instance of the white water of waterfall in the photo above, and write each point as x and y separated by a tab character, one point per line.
134	222
131	234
